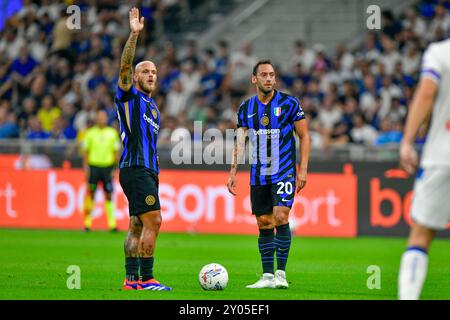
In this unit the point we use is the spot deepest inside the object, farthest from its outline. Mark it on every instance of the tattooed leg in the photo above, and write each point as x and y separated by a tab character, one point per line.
151	223
133	236
131	247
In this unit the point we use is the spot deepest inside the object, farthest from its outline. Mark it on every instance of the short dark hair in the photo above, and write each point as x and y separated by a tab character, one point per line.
260	62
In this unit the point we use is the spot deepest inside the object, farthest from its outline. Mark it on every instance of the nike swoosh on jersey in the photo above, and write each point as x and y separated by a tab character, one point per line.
251	115
145	100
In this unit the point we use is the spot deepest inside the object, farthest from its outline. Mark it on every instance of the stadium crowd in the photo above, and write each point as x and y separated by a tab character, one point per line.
52	79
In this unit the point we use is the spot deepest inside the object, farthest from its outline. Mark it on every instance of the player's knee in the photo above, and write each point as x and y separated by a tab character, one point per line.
281	218
265	222
157	221
280	221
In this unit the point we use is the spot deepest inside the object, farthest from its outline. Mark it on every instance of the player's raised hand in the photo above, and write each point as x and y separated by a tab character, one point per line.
301	180
136	25
409	159
232	184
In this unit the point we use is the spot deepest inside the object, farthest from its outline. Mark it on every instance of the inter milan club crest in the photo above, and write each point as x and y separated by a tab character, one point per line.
265	120
155	114
277	111
150	200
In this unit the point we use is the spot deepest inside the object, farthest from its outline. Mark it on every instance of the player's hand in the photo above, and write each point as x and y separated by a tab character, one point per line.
136	25
409	159
232	184
301	180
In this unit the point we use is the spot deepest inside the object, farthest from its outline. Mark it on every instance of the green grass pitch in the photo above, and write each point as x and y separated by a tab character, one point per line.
34	266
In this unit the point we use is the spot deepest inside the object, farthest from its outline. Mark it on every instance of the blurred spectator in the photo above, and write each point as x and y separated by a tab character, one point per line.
35	130
330	114
389	133
22	70
387	92
8	124
370	51
344	57
29	110
223	58
210	82
390	25
48	113
301	55
28	8
341	131
440	25
24	64
38	88
11	43
62	130
62	36
96	77
191	54
362	133
414	23
38	47
321	63
313	92
367	98
390	55
411	59
198	110
189	78
176	99
397	111
59	78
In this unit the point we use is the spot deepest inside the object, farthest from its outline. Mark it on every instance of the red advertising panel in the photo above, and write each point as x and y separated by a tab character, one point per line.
191	201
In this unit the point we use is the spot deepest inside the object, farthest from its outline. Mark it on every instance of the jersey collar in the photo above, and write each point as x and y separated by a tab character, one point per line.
275	94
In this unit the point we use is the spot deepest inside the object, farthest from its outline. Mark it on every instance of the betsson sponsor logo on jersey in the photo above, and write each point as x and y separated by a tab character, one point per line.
271	133
151	122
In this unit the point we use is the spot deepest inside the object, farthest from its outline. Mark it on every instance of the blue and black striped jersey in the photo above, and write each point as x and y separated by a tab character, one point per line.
139	120
271	133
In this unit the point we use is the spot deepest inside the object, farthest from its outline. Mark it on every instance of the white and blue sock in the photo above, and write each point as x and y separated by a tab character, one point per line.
413	270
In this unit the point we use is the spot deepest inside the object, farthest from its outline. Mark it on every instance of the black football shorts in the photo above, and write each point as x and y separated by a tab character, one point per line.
141	187
265	197
103	175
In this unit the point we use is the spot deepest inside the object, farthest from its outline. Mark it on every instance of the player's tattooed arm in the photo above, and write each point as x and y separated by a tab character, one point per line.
126	61
237	157
301	127
125	74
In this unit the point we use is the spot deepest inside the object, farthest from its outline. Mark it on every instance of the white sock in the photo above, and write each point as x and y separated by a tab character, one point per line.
413	270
